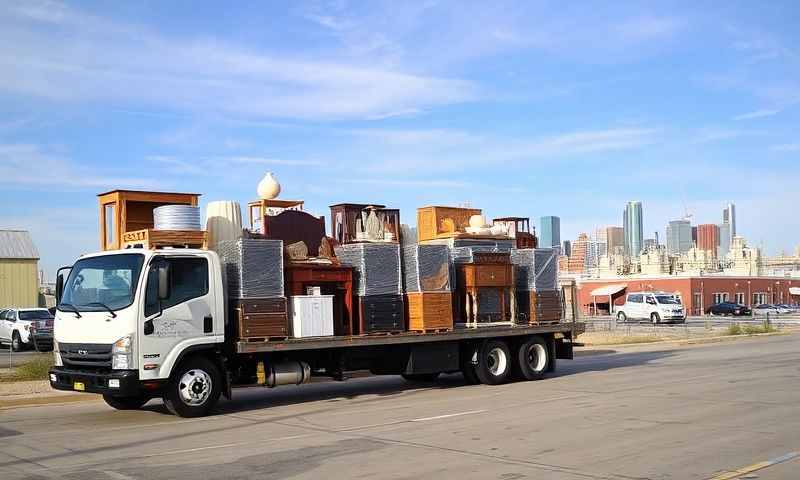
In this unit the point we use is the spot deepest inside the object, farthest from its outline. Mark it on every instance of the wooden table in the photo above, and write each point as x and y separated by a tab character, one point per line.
472	278
298	276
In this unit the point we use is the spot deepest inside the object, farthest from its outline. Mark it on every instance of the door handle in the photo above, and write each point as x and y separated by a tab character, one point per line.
208	324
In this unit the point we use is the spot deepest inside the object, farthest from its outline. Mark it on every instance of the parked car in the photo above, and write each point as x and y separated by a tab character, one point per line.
784	309
26	328
729	308
766	309
656	307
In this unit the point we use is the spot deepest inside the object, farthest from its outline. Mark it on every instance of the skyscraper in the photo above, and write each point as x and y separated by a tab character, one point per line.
724	240
679	237
708	237
632	225
566	248
729	218
549	232
616	239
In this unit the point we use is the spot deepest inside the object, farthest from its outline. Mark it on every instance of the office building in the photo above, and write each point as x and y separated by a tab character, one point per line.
649	244
549	232
566	248
632	224
615	240
708	237
729	218
724	240
679	237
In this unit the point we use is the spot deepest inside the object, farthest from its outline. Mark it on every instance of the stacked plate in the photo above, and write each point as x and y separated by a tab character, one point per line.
176	217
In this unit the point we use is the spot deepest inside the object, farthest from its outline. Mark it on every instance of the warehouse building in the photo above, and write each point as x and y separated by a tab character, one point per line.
19	267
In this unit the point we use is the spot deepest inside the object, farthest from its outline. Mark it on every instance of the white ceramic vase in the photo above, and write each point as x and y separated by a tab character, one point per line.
268	187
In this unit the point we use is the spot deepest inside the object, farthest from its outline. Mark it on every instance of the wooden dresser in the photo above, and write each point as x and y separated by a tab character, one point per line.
260	319
336	280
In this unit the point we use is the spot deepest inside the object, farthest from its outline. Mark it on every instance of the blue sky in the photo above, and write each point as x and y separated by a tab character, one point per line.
518	108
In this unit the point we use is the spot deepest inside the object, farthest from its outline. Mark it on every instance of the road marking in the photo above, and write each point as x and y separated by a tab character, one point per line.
756	466
227	445
438	417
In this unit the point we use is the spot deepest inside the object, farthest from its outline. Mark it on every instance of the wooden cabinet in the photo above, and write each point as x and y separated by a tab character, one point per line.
357	222
261	319
380	314
436	222
536	308
473	278
124	211
427	311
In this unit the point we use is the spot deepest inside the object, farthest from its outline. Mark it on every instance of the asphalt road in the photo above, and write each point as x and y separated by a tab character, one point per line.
692	412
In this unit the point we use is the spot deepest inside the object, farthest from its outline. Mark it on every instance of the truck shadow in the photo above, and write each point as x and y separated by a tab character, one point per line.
367	390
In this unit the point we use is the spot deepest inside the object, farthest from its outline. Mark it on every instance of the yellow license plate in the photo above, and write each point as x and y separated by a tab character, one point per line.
79	386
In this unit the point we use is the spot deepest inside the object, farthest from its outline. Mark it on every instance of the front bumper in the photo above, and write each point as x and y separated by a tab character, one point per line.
97	382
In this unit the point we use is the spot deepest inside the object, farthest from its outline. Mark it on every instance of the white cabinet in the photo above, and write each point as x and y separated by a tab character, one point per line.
312	315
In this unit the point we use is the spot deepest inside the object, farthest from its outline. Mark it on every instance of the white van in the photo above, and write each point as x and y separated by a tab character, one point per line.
654	306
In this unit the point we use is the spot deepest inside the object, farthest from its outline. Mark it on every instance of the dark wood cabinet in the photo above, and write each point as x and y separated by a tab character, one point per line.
475	278
260	318
537	308
380	314
426	311
358	222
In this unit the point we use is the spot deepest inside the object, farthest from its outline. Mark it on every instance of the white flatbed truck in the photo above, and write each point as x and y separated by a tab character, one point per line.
137	324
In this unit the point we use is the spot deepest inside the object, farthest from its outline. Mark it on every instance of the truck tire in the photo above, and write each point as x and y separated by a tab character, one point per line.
194	388
494	362
655	318
16	343
421	377
467	368
533	359
126	403
621	317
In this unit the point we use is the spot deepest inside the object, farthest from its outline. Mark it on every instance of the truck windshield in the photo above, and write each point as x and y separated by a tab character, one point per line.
667	300
97	282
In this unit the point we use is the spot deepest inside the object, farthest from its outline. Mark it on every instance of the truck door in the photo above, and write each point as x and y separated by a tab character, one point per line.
182	320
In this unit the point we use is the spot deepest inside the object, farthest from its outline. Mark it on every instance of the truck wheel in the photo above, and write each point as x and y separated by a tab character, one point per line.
467	368
494	362
621	317
194	388
421	377
655	318
126	403
16	342
533	359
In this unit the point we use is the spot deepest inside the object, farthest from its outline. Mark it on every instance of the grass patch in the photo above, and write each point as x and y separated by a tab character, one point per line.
31	370
750	329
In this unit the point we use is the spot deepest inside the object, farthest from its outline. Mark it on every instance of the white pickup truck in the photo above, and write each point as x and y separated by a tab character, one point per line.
657	307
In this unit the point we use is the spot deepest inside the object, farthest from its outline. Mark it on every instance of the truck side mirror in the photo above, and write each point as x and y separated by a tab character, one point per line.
60	283
162	270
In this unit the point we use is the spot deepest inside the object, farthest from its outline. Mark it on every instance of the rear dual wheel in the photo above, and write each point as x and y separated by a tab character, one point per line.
494	362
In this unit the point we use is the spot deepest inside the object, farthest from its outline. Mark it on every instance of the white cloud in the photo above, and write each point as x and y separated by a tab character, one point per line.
30	166
762	113
91	59
225	166
787	147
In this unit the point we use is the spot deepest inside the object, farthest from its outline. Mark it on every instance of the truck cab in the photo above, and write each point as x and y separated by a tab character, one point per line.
126	318
657	307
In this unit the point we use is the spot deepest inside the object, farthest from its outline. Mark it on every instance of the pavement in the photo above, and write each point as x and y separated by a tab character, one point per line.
714	411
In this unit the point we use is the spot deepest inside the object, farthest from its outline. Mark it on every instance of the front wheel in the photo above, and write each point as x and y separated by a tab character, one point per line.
621	317
126	403
194	388
16	343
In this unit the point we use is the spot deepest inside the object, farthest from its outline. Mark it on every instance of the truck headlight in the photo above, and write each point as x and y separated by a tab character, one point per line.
57	355
122	354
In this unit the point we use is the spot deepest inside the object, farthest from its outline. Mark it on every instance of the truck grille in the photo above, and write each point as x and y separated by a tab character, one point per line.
86	356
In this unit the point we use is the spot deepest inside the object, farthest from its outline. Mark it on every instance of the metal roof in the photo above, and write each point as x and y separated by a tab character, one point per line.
17	244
